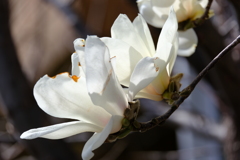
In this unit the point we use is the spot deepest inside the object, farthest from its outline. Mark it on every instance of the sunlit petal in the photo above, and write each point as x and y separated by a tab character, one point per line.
142	29
174	53
163	3
124	30
155	90
79	45
61	130
75	64
181	9
103	86
66	97
143	74
203	3
167	37
160	83
126	58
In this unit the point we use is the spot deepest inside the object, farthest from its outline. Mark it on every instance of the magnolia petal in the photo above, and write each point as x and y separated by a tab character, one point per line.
187	42
75	64
155	90
126	58
79	45
98	138
173	56
102	84
161	8
96	70
183	10
167	36
124	30
146	94
196	10
203	3
143	74
66	97
62	130
160	83
187	9
142	29
166	54
154	15
163	3
114	63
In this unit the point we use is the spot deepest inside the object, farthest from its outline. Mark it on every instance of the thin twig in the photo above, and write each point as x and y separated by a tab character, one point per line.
214	61
187	91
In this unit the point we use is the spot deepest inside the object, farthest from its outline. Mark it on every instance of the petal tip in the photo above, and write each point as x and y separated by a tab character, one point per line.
26	135
122	16
79	42
173	14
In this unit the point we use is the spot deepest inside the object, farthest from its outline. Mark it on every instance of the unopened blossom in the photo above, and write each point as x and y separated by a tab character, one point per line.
155	12
131	42
91	96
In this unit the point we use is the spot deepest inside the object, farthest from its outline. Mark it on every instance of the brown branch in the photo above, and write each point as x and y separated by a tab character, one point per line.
186	92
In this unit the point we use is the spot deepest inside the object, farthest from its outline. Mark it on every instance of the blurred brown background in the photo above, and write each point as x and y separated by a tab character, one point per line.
36	39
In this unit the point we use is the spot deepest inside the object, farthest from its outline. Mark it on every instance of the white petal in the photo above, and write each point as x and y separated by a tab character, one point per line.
155	90
143	74
165	54
168	35
162	7
126	58
75	64
66	97
79	45
203	3
160	83
98	138
103	86
183	10
61	130
124	30
114	63
146	94
142	29
153	14
187	42
163	3
173	55
190	9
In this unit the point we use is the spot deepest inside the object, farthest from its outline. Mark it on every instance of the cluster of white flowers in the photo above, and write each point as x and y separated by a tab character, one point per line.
92	95
155	13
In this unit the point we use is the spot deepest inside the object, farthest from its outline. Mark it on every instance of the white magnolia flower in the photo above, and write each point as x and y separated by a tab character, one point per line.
131	42
92	96
155	13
